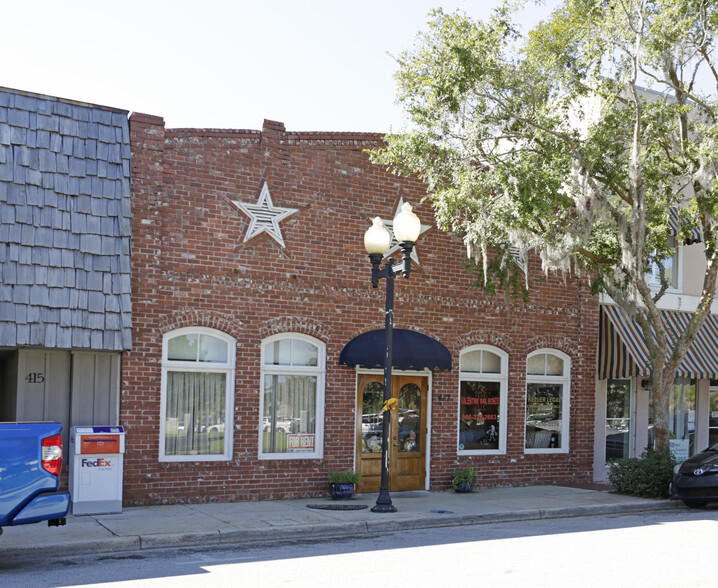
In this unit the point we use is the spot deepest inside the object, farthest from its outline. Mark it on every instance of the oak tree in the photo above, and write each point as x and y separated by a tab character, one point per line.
575	142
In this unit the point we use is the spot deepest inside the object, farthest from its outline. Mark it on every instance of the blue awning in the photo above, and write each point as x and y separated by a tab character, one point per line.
410	350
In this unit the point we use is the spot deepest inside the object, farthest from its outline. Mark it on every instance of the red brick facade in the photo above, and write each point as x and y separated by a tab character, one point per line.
192	267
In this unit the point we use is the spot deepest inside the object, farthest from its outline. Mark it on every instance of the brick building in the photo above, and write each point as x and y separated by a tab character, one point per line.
255	366
250	278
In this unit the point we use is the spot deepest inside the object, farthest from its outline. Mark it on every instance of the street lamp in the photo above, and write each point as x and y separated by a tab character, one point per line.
377	239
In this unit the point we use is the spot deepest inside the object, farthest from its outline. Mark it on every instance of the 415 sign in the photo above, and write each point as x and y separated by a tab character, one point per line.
35	378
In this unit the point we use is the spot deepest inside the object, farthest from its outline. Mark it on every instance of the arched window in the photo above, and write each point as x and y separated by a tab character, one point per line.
483	385
197	395
292	401
547	401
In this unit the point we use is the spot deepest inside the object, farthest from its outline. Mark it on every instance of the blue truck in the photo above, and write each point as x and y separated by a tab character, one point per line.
30	465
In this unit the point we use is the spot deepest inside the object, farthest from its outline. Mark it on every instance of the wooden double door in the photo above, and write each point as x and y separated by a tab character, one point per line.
408	432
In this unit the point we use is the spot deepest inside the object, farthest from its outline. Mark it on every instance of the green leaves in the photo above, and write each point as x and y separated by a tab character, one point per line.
549	142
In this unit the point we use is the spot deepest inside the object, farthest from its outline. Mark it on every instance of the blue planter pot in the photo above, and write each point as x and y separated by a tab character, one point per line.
341	491
464	487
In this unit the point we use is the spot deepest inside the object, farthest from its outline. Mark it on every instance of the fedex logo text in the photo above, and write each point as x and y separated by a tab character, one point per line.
96	463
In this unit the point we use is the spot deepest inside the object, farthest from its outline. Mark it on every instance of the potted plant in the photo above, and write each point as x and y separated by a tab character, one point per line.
342	484
463	480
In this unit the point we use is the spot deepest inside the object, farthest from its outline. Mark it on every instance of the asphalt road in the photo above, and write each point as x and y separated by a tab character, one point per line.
658	549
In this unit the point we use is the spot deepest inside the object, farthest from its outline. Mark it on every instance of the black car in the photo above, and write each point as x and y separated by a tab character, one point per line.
695	481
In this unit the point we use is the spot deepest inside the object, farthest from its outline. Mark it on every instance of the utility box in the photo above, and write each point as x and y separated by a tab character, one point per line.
96	455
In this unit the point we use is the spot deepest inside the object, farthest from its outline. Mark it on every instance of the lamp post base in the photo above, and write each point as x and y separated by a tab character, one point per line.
383	502
383	508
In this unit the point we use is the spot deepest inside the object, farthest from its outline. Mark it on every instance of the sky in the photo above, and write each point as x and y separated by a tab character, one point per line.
315	65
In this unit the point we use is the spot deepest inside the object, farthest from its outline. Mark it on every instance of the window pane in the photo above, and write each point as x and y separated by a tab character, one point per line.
670	266
536	365
289	414
278	352
212	349
195	415
543	415
470	362
491	363
479	415
303	353
554	365
182	348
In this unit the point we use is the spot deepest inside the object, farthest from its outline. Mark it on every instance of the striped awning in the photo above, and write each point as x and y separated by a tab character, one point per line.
623	351
674	223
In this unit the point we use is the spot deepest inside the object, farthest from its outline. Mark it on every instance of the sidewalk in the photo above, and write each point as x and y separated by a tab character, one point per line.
188	525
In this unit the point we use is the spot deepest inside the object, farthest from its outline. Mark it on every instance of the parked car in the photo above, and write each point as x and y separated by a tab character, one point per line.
695	481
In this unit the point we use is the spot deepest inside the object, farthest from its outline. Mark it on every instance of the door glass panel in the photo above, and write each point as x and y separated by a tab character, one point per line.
409	418
682	418
618	419
371	422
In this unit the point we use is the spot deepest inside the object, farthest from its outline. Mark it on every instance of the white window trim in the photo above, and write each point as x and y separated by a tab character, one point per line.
178	366
502	378
564	379
319	371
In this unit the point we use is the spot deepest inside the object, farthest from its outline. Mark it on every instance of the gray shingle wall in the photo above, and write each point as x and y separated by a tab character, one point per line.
64	224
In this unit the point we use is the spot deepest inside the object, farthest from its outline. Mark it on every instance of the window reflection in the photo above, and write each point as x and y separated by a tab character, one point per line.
618	419
713	414
682	418
409	418
371	422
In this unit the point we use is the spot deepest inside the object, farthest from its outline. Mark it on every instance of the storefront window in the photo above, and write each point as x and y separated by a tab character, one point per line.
713	413
547	394
292	397
197	393
482	400
618	419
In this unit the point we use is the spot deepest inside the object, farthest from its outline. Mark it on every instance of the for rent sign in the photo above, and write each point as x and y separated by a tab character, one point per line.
298	442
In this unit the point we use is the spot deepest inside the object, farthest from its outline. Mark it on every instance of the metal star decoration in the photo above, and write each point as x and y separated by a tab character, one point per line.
264	216
394	246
